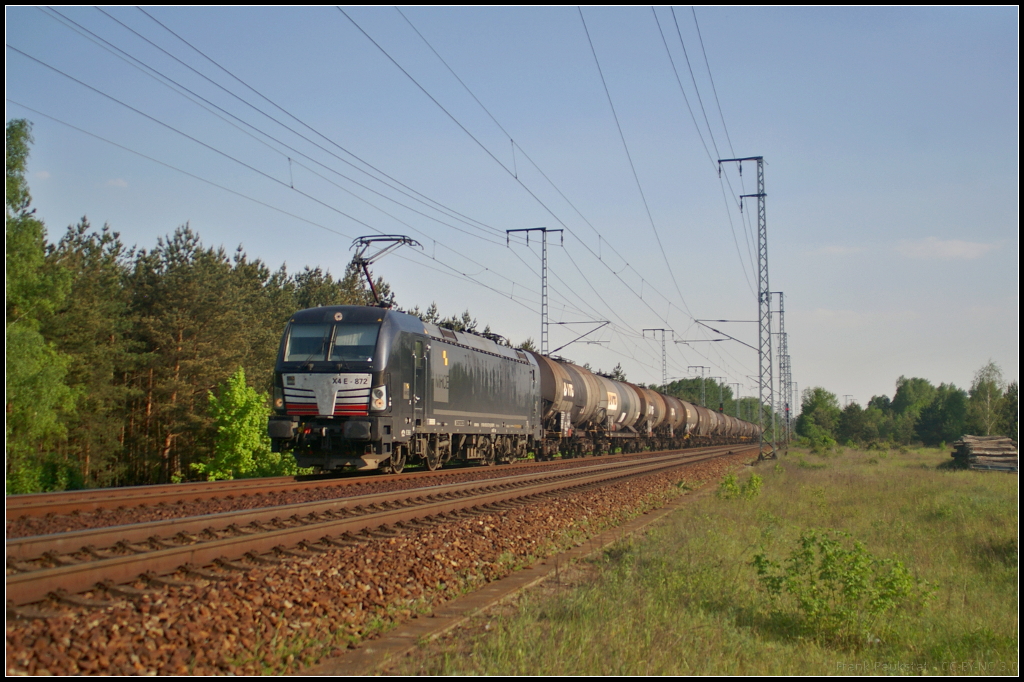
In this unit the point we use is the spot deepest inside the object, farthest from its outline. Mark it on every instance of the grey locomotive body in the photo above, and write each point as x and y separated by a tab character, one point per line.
372	388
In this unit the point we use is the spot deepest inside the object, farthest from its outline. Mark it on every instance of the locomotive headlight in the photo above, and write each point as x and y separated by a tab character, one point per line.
278	399
379	398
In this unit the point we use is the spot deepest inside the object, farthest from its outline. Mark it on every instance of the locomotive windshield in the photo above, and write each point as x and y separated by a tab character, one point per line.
354	342
337	343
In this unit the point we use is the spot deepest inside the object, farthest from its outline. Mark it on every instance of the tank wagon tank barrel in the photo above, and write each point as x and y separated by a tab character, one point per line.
375	389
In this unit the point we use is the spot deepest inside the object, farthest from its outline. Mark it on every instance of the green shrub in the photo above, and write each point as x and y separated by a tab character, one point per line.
841	593
729	489
241	444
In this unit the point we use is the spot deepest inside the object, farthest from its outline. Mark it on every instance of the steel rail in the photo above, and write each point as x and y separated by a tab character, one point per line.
24	588
65	502
31	547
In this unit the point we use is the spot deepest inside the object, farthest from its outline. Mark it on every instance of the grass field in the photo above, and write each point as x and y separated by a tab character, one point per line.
870	563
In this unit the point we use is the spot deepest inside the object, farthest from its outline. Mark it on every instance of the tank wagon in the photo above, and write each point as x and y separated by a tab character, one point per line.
372	388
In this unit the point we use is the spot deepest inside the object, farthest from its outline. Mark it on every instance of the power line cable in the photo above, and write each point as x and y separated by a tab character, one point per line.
363	223
680	82
450	212
480	144
713	89
732	228
302	165
209	106
179	170
631	165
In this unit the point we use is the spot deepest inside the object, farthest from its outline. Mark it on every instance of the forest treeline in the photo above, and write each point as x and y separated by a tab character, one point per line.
919	412
112	351
130	366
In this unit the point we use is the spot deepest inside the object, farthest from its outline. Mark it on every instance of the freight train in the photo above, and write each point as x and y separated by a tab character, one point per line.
373	388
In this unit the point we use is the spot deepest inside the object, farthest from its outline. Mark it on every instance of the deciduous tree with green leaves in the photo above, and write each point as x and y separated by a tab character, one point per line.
37	393
241	445
945	418
985	401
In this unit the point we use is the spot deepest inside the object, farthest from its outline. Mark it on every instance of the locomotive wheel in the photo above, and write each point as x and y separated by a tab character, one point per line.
396	463
486	447
503	450
433	457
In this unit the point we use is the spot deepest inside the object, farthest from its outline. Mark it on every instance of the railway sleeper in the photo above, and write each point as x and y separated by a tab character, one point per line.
155	541
97	553
310	547
125	591
85	602
162	581
205	574
20	566
229	565
32	614
281	550
263	559
341	544
61	559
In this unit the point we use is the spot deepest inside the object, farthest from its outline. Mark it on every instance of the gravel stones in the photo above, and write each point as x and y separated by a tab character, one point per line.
278	618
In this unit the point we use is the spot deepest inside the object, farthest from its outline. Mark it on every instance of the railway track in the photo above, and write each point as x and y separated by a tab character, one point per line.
320	571
77	561
48	513
77	501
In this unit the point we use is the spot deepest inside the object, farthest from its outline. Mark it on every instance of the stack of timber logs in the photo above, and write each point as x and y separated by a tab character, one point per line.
997	453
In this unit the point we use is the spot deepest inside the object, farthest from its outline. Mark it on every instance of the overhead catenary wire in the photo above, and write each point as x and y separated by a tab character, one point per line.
226	115
449	270
617	274
205	145
632	167
487	151
711	78
449	211
711	133
290	183
278	181
558	190
644	295
693	118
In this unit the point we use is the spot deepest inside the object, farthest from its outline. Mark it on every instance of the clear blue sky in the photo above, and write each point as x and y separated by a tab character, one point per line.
890	136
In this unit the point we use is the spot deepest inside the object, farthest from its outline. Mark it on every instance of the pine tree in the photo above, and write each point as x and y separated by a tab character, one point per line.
192	325
93	328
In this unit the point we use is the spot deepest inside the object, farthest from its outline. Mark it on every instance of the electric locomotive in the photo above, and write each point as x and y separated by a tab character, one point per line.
373	388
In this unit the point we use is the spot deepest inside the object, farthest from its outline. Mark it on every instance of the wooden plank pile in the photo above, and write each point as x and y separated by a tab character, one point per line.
997	453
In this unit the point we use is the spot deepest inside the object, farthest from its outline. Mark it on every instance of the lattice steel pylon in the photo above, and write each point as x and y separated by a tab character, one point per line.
664	356
543	279
785	373
764	350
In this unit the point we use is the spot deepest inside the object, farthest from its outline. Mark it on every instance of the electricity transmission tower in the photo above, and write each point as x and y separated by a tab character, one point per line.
785	393
764	352
543	278
664	357
703	402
